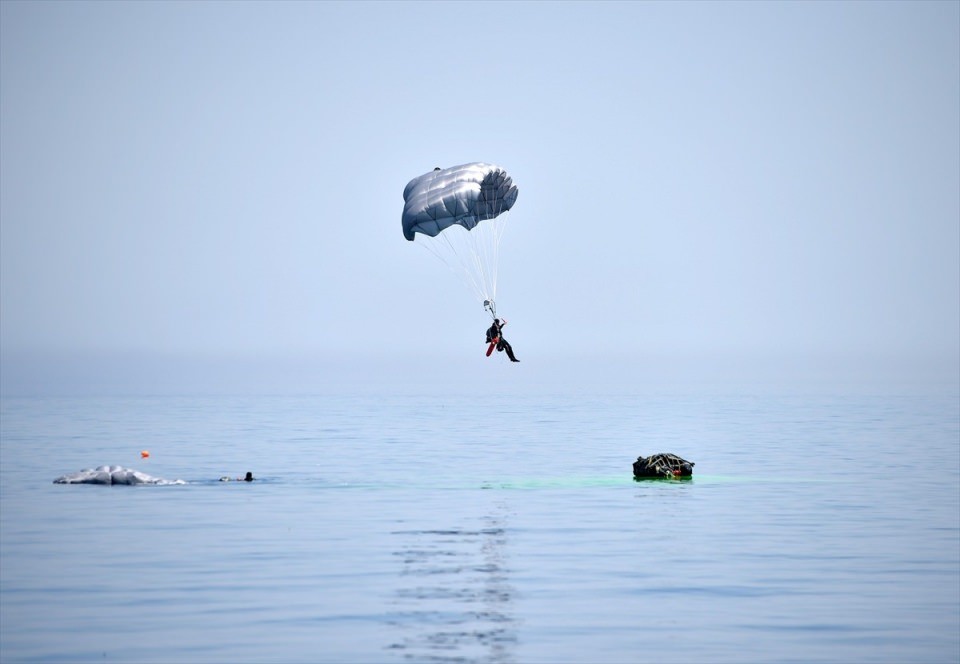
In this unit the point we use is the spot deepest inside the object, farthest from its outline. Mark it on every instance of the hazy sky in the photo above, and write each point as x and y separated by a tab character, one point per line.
696	179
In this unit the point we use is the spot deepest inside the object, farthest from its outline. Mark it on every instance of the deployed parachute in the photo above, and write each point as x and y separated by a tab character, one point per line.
460	214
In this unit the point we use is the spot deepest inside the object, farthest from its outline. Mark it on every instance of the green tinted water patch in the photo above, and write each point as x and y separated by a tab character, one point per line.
509	483
621	480
760	479
557	482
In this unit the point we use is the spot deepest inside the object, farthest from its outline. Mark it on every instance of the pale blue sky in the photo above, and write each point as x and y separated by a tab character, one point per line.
697	180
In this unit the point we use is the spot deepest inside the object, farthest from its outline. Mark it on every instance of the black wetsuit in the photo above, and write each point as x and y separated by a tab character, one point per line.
494	332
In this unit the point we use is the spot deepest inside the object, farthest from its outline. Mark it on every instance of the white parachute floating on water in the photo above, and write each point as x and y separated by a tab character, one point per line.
112	475
460	214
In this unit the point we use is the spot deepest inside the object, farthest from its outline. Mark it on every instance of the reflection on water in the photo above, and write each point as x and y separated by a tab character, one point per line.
455	602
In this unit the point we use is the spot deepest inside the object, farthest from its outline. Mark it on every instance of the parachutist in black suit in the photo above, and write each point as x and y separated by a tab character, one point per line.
495	335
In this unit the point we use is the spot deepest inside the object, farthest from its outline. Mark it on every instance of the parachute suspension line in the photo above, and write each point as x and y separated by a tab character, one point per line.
481	259
467	275
498	228
485	245
477	262
429	246
489	244
473	277
474	255
452	256
485	248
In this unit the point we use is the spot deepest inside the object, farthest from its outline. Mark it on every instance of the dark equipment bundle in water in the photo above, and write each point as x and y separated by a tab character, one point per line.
662	465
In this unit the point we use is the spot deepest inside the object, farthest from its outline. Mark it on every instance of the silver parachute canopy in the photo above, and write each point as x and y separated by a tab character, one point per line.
460	214
464	195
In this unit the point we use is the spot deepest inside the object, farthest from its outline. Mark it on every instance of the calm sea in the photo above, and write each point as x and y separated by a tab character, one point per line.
384	528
